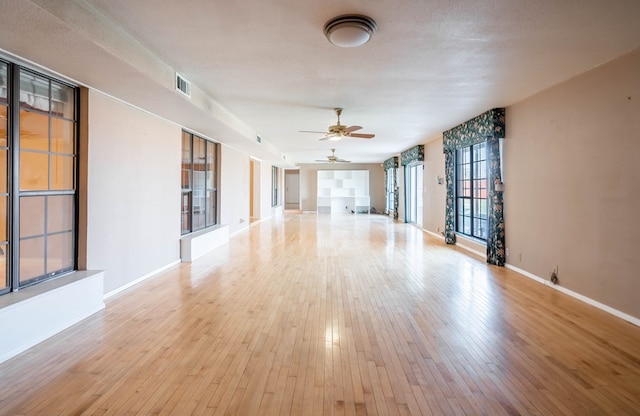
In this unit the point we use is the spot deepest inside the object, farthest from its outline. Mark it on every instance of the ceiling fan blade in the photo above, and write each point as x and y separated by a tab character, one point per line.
309	131
362	135
329	136
343	161
352	128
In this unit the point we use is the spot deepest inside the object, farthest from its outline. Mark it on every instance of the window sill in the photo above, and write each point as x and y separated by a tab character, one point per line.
199	243
38	312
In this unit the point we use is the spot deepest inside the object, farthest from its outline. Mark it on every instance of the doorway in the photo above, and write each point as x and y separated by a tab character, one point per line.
292	189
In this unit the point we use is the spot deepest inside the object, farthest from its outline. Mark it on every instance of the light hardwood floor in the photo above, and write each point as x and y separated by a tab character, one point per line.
333	315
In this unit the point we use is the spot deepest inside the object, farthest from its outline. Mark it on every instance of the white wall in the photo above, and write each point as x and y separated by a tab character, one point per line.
133	210
234	189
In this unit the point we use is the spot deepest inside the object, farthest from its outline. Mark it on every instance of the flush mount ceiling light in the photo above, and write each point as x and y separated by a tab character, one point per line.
349	30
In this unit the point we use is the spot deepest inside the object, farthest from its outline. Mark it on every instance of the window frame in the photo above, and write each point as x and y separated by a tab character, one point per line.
16	192
209	190
475	196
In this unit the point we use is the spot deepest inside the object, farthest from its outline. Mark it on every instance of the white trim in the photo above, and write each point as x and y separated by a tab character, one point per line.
436	235
631	319
469	249
140	279
33	314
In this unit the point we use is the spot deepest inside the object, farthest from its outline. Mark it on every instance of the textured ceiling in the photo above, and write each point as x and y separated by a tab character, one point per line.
264	67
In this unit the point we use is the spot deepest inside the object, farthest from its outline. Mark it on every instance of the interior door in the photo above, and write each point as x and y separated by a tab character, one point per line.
292	189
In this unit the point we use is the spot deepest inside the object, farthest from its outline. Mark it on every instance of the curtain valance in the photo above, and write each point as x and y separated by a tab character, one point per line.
415	154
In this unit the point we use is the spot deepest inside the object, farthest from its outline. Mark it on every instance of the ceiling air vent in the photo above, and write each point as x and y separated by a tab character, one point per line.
183	85
259	139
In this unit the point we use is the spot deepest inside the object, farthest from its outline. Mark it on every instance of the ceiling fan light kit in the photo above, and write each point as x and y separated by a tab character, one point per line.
349	30
338	131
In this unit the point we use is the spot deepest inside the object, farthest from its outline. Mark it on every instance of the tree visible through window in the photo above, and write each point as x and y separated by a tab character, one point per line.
471	191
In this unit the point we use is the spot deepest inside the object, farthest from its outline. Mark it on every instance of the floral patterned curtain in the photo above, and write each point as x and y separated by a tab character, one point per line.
489	127
392	163
415	154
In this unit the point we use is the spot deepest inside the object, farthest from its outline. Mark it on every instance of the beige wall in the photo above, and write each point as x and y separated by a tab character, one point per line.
571	183
571	176
133	210
434	198
309	183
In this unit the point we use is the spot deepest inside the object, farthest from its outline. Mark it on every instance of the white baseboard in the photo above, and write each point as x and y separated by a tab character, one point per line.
436	235
601	306
140	279
471	250
595	303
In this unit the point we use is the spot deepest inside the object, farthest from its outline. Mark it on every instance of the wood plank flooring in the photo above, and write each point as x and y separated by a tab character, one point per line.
321	315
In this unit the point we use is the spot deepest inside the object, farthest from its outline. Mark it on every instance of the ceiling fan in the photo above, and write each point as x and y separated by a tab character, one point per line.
333	158
338	131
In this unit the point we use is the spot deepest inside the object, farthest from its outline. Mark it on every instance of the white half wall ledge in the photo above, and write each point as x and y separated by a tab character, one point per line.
33	314
195	245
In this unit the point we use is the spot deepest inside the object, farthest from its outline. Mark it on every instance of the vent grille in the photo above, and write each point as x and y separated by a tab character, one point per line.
259	139
183	85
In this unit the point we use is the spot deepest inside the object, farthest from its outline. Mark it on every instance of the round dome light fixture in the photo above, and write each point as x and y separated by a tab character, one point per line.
349	30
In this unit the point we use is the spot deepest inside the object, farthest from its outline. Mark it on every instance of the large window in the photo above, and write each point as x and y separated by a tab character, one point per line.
390	190
471	191
199	183
413	178
38	141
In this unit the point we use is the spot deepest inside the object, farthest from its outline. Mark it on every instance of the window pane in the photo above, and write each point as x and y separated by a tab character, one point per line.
34	131
32	210
186	212
3	219
3	171
479	208
466	226
3	82
480	229
34	91
4	281
59	252
186	161
3	124
60	213
31	258
62	172
34	171
62	136
62	101
211	184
